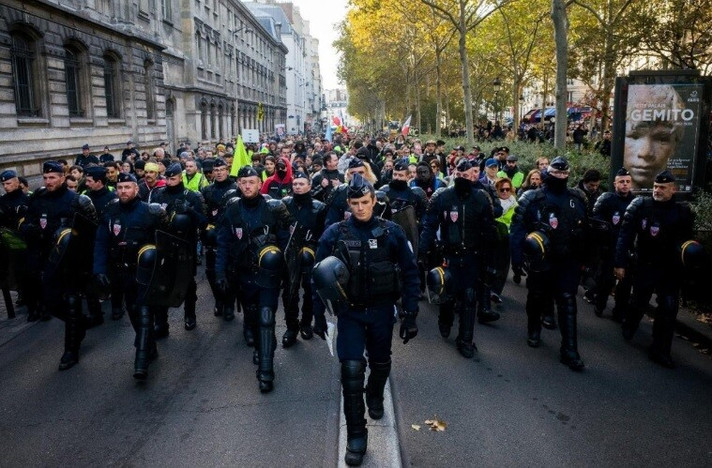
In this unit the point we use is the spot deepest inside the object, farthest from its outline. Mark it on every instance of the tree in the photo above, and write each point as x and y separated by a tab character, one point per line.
561	27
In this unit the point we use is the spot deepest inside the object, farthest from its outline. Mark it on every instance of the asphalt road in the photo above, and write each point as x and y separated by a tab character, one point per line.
510	406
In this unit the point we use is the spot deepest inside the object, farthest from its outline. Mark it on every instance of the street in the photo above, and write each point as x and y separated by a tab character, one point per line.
510	406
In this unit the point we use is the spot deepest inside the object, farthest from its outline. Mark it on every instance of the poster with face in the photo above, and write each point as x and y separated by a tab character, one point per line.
661	132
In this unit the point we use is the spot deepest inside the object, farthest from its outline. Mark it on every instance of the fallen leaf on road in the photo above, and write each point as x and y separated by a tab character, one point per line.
436	425
415	426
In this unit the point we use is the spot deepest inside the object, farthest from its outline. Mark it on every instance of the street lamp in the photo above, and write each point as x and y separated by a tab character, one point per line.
497	86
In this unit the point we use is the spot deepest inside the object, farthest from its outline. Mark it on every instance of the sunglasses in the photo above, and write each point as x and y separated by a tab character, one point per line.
505	190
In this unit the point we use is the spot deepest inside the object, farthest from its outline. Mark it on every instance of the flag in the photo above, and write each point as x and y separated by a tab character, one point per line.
239	157
406	126
260	112
329	135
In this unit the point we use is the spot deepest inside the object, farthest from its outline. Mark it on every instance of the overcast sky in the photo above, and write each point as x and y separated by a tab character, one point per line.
323	15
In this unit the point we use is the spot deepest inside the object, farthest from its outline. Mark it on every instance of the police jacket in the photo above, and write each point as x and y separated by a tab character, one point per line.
609	209
214	197
185	209
13	206
322	193
308	218
656	229
82	160
338	206
123	230
465	219
101	198
381	269
247	225
48	212
401	195
560	214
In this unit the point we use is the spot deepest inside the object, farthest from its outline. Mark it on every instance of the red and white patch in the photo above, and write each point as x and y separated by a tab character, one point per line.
116	229
553	221
347	215
453	216
43	223
215	212
654	230
616	219
238	233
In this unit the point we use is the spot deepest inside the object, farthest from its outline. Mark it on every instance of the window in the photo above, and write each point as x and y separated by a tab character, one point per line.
204	120
72	77
111	87
24	75
212	121
167	9
150	91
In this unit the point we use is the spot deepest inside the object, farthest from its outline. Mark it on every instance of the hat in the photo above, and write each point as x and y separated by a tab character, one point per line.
130	142
356	162
124	177
300	175
280	163
208	165
140	164
173	170
560	164
464	165
504	148
440	142
219	162
491	162
430	142
247	171
388	150
85	146
622	172
459	148
362	152
665	177
476	147
359	187
400	165
52	166
7	175
317	161
151	167
512	158
96	173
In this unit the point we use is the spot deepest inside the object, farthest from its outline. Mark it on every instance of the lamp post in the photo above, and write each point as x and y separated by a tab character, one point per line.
496	86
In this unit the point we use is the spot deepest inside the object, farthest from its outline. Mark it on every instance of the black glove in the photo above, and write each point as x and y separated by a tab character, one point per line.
409	329
320	326
223	284
180	206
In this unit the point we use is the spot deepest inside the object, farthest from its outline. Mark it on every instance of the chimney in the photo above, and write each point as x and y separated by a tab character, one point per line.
278	30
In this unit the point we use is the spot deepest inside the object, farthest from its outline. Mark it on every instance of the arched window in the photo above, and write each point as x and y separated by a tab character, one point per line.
24	71
112	86
150	91
78	90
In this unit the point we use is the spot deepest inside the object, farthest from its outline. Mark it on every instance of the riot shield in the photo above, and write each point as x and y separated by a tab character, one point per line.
293	260
172	271
406	219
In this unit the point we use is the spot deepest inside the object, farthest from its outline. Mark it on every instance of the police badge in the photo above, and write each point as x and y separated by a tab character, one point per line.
238	233
654	230
616	218
454	215
116	229
553	221
43	221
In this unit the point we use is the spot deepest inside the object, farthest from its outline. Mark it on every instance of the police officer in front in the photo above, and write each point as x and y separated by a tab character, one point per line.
381	269
609	210
52	241
13	205
557	214
307	226
123	262
252	235
465	217
186	215
654	229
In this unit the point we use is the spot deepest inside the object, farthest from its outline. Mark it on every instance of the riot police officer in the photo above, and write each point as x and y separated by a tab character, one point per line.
465	218
252	235
123	261
337	203
215	201
13	250
609	210
400	195
51	227
306	228
560	213
654	229
186	214
373	251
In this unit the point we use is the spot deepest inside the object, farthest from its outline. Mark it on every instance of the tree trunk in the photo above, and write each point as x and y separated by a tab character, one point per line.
608	80
438	92
561	26
469	128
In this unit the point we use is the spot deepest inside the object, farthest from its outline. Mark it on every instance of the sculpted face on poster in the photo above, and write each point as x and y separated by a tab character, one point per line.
662	125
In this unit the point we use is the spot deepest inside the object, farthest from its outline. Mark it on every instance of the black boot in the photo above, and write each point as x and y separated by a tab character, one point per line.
96	315
289	338
464	342
267	341
190	321
160	329
374	390
569	343
145	346
218	309
445	319
248	326
352	380
74	331
533	323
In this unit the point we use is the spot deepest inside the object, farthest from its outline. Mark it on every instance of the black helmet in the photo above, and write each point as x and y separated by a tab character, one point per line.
692	254
60	249
269	266
306	256
182	224
331	276
536	247
439	285
146	264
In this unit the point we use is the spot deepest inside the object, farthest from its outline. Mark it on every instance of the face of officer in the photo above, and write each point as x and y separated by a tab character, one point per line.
558	173
53	180
11	185
250	186
220	173
93	184
126	191
174	181
663	192
362	208
301	186
191	168
622	184
400	175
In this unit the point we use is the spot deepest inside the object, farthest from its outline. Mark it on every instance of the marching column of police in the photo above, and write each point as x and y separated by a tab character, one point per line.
363	254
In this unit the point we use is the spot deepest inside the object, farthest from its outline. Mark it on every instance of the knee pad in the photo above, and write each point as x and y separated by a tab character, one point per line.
352	370
266	317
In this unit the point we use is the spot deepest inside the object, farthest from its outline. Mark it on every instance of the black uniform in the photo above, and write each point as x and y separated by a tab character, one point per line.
654	231
124	230
465	218
322	193
186	214
559	212
216	196
609	210
400	195
13	250
307	226
248	227
84	161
